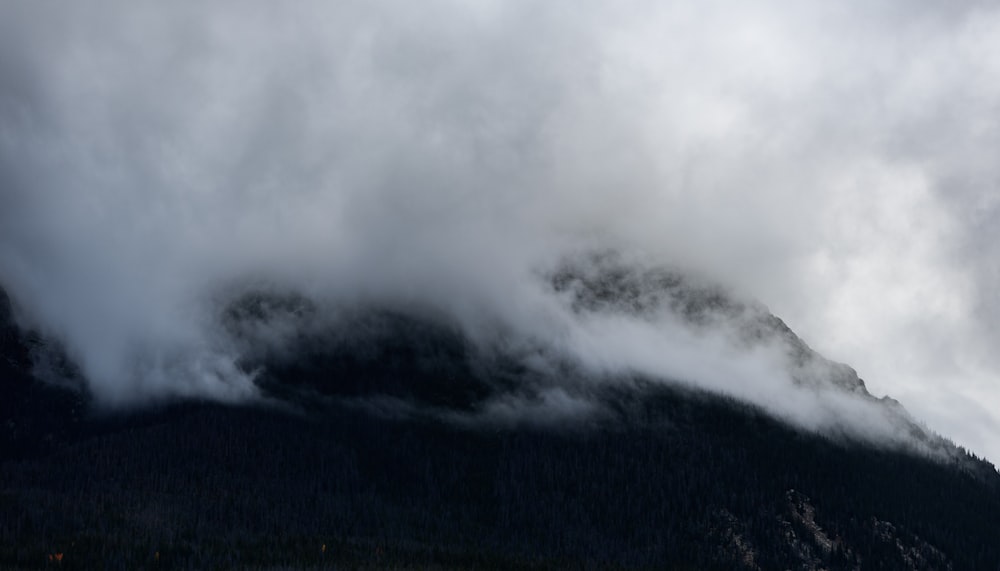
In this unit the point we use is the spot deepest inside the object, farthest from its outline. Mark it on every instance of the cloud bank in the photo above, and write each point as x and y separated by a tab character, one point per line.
835	162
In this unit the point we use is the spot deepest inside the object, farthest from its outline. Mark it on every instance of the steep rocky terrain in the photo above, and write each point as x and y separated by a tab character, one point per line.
405	445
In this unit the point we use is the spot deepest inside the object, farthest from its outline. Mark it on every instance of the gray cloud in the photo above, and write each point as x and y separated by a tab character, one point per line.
834	161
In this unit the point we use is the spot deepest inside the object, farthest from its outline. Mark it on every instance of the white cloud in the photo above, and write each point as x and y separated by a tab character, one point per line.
836	161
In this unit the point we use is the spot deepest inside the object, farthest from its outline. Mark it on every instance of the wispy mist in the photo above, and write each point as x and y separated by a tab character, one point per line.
834	161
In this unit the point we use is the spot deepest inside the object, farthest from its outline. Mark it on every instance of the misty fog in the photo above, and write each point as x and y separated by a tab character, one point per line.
832	162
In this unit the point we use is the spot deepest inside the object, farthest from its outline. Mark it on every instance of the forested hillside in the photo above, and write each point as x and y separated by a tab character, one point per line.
664	478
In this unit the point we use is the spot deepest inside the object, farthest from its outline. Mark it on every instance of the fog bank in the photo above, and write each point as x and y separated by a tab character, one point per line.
834	162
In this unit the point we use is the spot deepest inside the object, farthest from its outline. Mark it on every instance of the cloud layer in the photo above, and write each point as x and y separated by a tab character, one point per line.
834	161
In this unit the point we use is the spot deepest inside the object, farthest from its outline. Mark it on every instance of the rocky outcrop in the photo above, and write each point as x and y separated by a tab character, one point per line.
604	282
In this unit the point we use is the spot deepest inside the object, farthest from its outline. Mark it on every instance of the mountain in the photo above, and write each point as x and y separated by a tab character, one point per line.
396	440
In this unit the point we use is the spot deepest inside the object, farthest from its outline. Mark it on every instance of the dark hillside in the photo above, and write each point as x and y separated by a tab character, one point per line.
664	479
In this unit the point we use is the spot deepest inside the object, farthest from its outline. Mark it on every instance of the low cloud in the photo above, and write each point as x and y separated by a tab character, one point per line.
833	162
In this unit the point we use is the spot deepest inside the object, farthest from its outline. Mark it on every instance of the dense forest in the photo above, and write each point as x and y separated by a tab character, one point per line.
667	478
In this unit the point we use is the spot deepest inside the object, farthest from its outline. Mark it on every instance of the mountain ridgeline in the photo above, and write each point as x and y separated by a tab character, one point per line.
389	438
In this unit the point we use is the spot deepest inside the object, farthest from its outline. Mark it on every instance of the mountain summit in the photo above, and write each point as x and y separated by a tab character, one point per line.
396	438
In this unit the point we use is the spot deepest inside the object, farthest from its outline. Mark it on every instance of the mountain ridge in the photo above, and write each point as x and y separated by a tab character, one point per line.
390	451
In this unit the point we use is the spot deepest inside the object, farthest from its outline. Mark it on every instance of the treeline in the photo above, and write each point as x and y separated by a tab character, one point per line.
211	487
669	479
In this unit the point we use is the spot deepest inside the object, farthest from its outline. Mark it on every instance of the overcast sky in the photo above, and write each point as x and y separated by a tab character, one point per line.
835	160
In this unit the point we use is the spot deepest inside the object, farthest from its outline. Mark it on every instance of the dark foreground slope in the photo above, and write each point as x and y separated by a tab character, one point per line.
662	479
718	488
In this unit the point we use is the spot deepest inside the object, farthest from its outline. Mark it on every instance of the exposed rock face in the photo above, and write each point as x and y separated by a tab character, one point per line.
811	544
594	283
915	553
817	549
730	534
605	283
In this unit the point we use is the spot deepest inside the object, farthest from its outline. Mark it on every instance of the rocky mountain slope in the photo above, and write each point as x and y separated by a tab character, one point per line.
397	442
